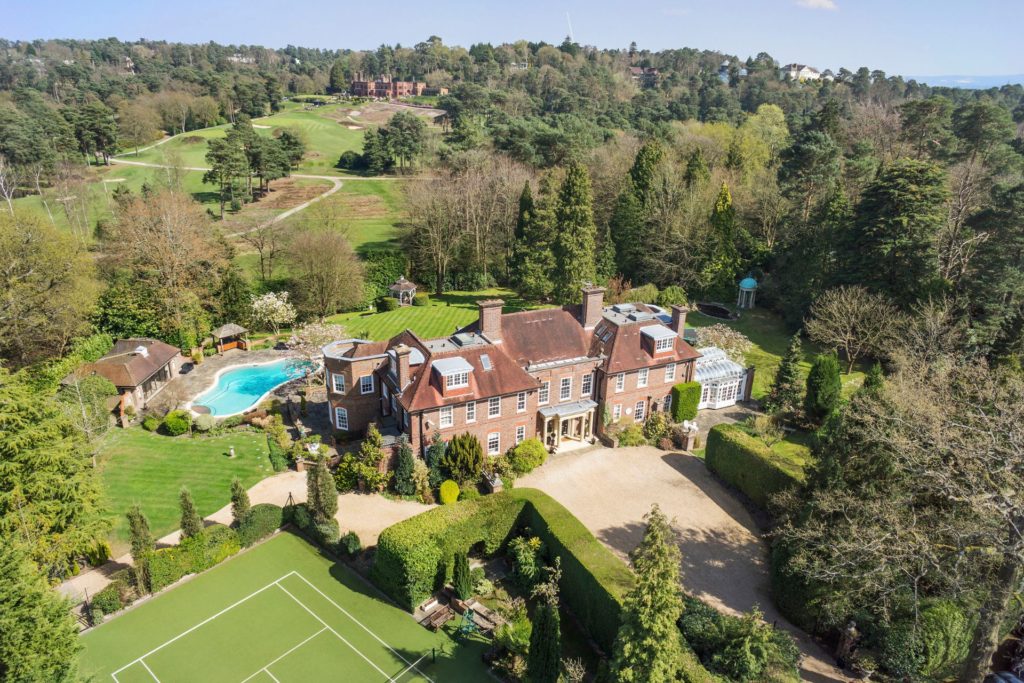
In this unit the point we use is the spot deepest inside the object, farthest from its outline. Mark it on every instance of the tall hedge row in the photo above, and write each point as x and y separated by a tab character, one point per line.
685	399
192	555
413	556
748	464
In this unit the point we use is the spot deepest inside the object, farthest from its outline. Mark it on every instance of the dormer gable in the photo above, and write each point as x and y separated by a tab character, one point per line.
658	340
453	376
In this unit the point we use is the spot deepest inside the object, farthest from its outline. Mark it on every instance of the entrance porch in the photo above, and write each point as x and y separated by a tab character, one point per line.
568	423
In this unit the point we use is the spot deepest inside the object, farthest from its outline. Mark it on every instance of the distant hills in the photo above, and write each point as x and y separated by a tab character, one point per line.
969	82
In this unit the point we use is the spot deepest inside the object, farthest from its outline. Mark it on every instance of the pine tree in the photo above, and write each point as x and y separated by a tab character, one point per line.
463	458
824	387
874	380
321	494
648	646
786	394
605	261
404	483
644	170
575	235
628	228
142	545
461	581
38	634
532	259
435	456
239	501
723	262
697	172
544	660
191	522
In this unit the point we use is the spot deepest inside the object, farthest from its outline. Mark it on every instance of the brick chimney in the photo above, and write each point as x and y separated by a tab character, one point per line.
593	305
402	356
490	318
679	318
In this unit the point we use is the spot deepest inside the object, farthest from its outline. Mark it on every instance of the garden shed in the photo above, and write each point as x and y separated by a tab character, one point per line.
403	290
230	336
723	382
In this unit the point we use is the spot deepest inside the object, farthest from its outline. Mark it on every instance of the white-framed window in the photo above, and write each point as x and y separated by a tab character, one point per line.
544	394
341	419
565	389
667	403
521	402
446	418
520	434
366	384
494	443
617	412
620	382
641	377
663	344
587	385
471	411
456	380
705	393
494	406
638	411
670	372
338	383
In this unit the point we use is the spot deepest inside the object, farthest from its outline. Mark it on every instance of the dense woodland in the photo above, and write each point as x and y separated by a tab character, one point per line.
885	215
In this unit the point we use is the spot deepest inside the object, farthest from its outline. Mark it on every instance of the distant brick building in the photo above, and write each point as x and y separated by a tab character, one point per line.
550	373
384	87
645	76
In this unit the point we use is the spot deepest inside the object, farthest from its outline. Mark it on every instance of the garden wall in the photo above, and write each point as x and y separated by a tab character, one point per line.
746	463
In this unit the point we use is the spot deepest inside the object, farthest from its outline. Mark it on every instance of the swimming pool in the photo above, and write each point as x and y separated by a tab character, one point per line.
239	389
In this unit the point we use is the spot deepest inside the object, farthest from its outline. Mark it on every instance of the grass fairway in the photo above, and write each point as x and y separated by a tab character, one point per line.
137	466
770	337
280	612
439	319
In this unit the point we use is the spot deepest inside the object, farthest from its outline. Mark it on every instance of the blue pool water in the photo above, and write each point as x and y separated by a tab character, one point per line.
240	389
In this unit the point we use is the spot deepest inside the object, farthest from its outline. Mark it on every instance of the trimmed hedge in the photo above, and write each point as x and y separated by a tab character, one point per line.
192	555
387	303
151	423
177	422
449	492
261	521
109	599
685	399
413	556
527	456
746	463
421	299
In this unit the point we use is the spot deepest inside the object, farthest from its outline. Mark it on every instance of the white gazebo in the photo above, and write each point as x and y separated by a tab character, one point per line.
723	382
403	290
748	290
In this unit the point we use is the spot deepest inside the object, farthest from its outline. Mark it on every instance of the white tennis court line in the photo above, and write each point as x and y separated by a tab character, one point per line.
278	659
143	663
362	626
407	669
201	623
267	671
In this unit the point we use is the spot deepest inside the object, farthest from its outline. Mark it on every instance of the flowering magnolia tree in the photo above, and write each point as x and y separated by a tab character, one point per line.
308	341
272	310
735	344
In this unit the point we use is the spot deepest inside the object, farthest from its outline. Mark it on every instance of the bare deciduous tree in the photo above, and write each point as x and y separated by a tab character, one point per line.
854	321
328	272
266	240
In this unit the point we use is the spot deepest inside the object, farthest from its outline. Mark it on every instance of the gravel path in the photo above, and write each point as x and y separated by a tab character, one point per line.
724	559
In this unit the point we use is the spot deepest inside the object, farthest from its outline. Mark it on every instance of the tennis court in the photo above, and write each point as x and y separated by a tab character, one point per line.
314	621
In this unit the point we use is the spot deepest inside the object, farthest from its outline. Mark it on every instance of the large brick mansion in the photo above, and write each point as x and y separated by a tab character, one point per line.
549	373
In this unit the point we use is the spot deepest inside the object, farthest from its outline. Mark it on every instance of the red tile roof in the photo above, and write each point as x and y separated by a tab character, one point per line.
541	336
126	367
625	350
504	377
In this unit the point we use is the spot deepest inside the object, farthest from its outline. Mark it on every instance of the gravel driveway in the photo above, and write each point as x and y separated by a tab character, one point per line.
724	560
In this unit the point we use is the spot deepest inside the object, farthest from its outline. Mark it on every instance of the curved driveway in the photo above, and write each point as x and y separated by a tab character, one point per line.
724	559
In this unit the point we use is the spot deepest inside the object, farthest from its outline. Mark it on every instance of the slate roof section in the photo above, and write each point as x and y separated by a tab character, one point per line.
132	361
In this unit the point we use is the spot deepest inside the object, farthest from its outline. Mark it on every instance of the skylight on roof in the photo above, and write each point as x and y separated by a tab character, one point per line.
485	360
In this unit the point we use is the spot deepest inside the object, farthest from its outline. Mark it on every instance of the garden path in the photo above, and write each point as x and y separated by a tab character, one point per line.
724	558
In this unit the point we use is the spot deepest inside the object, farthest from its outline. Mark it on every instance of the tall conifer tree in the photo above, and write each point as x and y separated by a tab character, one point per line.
575	240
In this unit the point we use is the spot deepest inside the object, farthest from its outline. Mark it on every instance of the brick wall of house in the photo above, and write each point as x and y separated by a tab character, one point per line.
655	392
576	373
362	408
505	425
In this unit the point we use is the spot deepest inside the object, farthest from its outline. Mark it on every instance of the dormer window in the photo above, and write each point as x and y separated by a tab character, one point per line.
456	380
664	344
660	338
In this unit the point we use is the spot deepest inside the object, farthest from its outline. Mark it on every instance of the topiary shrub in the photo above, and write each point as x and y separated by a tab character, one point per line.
350	545
656	427
387	303
745	462
469	493
151	423
449	492
527	455
262	520
301	517
176	422
326	533
421	299
685	399
633	435
204	423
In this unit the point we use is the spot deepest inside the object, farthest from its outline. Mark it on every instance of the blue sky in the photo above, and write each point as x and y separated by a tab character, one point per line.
918	37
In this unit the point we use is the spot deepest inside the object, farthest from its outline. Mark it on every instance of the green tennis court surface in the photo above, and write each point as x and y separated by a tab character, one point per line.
279	613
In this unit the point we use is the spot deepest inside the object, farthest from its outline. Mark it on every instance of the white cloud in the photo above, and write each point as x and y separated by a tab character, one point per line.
818	4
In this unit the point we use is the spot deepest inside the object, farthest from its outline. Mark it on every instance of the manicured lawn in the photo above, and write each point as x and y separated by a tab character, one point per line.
141	467
279	612
440	318
770	337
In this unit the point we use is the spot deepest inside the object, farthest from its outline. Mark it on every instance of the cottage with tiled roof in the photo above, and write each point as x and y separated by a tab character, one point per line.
139	368
551	373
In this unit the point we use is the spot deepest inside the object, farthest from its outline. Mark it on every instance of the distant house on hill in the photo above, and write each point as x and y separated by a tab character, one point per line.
140	368
800	72
385	88
645	76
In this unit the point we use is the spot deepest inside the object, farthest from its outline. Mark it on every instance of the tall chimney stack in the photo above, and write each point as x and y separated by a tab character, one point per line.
679	318
490	318
593	306
402	355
